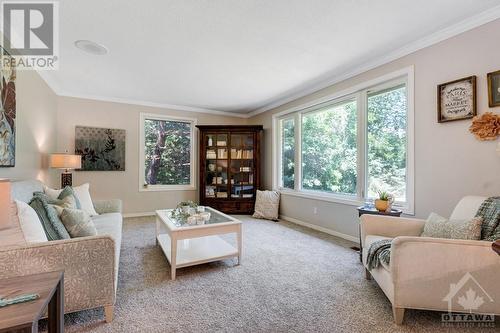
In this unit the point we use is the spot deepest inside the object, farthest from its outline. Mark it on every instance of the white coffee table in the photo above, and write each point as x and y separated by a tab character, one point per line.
187	245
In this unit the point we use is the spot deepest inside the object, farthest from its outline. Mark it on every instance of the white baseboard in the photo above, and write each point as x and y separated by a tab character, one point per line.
320	228
144	214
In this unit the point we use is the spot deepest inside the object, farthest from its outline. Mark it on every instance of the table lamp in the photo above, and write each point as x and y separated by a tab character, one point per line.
65	162
4	203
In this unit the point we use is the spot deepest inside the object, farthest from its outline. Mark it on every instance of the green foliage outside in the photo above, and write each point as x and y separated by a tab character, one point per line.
167	152
288	153
329	154
329	147
387	143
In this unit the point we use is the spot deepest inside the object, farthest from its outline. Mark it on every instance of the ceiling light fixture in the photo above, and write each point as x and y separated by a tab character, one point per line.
91	47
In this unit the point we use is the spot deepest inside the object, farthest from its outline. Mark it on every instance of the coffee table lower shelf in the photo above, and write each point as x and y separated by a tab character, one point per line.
195	251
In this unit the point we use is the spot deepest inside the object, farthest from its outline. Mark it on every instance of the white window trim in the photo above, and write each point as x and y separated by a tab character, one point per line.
405	75
192	159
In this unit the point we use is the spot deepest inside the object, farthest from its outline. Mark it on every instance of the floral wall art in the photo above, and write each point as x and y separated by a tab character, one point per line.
7	112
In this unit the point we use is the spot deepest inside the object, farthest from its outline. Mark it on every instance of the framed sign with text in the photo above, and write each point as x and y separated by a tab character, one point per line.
457	99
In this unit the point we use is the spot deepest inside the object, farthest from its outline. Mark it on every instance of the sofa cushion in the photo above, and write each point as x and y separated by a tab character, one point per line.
68	194
30	223
52	225
369	240
78	223
23	190
110	224
82	195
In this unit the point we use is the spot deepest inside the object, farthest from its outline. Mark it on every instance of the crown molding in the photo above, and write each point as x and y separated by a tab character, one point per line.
59	92
434	38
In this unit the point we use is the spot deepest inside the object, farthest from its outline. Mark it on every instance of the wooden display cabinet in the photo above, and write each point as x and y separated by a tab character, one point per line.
229	167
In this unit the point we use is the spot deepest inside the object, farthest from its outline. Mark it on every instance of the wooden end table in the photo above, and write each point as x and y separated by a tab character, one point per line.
496	246
23	317
373	211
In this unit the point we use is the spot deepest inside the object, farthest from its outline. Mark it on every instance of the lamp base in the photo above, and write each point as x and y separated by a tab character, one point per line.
66	179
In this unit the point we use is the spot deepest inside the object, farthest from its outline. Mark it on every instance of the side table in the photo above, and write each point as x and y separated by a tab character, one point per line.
23	317
496	246
372	211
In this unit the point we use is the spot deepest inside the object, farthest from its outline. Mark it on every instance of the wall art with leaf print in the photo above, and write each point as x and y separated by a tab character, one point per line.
102	149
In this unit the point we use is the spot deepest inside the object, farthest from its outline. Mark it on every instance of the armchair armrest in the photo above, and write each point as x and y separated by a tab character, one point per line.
423	270
390	226
88	264
108	206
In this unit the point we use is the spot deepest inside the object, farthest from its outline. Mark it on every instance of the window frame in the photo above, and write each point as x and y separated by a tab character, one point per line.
359	93
192	160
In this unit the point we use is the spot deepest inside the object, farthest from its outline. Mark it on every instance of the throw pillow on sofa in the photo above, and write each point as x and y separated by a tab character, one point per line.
30	224
78	223
267	204
47	214
81	192
440	227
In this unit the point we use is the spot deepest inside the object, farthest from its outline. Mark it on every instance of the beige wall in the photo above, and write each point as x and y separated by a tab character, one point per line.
36	115
122	184
450	162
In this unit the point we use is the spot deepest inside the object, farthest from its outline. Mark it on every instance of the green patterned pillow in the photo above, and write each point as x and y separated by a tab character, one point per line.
440	227
78	223
69	192
52	225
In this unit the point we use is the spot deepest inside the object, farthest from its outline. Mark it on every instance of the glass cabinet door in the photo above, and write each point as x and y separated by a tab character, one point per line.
242	168
216	168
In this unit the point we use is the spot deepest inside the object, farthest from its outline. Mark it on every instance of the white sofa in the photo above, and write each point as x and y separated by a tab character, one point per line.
422	270
90	264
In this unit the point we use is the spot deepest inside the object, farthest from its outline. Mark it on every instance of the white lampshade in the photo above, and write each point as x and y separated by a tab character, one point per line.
4	203
65	161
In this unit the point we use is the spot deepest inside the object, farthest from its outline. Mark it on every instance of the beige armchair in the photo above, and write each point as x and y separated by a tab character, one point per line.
433	273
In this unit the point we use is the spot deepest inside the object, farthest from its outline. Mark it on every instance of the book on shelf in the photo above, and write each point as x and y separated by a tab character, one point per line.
221	194
221	143
239	154
211	154
222	153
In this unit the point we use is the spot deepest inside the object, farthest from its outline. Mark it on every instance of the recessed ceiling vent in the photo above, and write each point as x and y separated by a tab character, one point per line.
91	47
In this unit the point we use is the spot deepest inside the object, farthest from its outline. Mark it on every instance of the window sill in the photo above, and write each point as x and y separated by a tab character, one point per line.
338	199
323	197
166	188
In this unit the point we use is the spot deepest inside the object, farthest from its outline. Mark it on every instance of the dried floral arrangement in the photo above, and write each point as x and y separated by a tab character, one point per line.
486	126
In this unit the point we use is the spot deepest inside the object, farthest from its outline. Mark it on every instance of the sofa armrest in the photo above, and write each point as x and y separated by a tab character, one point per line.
108	206
424	269
88	264
390	226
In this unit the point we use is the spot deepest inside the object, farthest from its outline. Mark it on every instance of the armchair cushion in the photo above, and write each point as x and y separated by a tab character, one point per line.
440	227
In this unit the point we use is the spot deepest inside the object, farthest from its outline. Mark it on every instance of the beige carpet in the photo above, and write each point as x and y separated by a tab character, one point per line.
291	279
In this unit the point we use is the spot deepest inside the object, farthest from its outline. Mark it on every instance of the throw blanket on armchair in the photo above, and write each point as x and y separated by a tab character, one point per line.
489	211
379	251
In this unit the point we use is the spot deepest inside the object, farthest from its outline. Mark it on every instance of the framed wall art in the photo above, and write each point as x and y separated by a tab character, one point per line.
494	89
102	149
7	111
457	99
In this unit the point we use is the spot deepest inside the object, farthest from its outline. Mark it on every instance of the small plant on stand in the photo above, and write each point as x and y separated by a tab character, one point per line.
384	201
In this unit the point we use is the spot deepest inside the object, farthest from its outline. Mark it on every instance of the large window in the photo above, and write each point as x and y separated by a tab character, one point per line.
329	152
166	153
386	135
349	148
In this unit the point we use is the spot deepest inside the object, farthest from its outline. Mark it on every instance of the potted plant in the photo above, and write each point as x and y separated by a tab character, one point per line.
384	201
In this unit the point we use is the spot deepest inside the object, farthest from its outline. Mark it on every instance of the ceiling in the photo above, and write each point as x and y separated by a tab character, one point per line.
235	56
